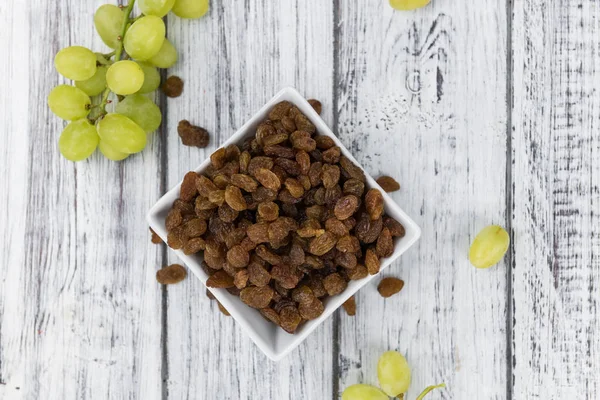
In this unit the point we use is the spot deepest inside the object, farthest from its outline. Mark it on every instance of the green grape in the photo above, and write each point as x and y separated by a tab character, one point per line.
76	63
69	103
363	392
166	56
393	372
108	21
125	77
96	84
408	4
429	389
145	37
151	78
78	141
121	134
111	153
489	246
190	8
160	8
140	110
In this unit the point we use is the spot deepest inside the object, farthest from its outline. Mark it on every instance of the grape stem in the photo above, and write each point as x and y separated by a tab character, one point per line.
117	53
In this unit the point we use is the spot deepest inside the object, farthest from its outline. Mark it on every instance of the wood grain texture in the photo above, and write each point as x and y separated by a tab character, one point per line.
556	217
233	61
421	97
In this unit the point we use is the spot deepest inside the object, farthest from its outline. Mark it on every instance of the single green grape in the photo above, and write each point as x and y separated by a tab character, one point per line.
125	77
190	8
111	153
121	134
408	4
140	110
429	389
151	78
96	84
166	56
363	392
145	37
78	140
489	247
393	372
69	102
108	21
159	8
76	63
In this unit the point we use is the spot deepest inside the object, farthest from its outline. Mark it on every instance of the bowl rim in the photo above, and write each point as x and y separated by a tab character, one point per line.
273	350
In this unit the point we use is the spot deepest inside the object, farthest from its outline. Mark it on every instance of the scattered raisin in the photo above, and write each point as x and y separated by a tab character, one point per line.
223	309
173	86
174	273
390	286
388	183
155	238
316	105
350	306
192	135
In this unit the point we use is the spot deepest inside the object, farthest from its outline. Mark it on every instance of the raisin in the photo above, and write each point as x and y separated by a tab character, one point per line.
304	124
264	130
245	182
194	228
220	279
227	214
390	286
186	207
188	186
268	179
322	244
354	187
332	195
388	183
314	173
372	261
289	319
314	262
247	244
217	197
290	167
303	160
234	198
230	270
395	227
258	233
311	309
324	142
175	239
270	315
194	246
330	175
360	272
336	227
173	86
257	297
374	203
286	197
280	110
302	294
209	294
173	219
316	105
278	230
315	282
279	151
316	155
288	124
230	168
348	244
275	139
346	260
287	276
304	181
235	237
215	262
346	207
257	163
221	181
244	161
223	309
263	194
174	273
192	135
267	255
155	238
297	256
294	187
352	170
334	284
319	196
332	155
238	257
310	228
258	275
368	231
385	244
280	173
302	141
240	280
316	212
232	153
218	158
203	203
350	306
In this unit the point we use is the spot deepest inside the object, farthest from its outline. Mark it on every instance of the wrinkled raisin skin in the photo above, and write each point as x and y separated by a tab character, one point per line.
388	184
350	306
172	274
390	286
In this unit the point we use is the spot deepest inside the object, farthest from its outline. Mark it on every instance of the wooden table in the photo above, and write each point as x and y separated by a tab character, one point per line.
485	111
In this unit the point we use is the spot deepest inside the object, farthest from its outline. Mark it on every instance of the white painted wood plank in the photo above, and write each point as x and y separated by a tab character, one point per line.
234	60
556	218
446	146
81	315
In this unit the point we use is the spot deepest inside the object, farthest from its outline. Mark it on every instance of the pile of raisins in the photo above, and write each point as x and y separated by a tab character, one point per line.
283	221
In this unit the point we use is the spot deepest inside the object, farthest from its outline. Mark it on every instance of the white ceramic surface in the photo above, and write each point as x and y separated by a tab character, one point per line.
272	340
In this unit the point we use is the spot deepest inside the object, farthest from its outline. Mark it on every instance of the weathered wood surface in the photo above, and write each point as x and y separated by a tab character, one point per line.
419	95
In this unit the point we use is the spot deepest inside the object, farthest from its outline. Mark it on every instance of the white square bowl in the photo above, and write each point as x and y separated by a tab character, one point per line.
272	340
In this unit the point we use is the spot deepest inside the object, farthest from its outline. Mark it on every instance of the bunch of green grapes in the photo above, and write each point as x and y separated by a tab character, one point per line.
130	72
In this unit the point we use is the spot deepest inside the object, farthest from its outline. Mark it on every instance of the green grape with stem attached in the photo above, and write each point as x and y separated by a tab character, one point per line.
190	8
76	63
393	372
108	21
96	84
151	78
111	153
363	392
145	37
489	247
121	134
78	140
429	389
125	77
159	8
140	110
69	103
166	56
